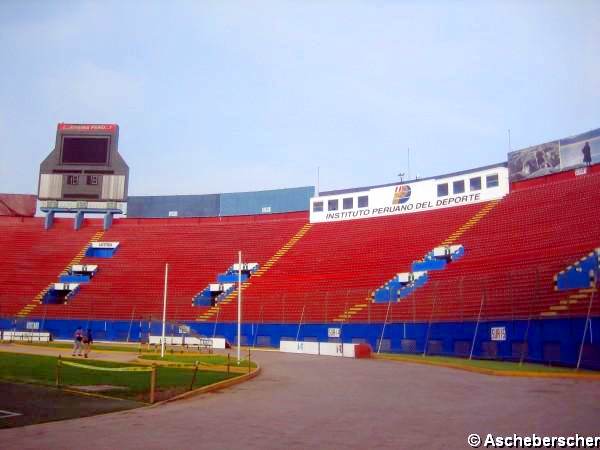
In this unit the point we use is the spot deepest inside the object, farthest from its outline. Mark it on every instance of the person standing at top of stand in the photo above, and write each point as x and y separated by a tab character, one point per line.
587	154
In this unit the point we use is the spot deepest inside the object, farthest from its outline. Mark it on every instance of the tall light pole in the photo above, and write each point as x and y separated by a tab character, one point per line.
239	305
164	317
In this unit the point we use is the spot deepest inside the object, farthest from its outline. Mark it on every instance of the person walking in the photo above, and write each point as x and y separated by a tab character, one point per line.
78	342
88	340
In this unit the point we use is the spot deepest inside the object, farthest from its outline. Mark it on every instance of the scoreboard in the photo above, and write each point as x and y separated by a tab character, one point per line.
84	171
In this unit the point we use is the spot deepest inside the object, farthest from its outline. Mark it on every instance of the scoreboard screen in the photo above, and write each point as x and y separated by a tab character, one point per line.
85	150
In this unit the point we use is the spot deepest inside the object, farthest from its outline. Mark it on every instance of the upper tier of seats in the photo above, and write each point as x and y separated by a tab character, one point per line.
328	273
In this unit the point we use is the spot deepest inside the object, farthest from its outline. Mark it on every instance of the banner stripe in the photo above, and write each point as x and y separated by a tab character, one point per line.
108	369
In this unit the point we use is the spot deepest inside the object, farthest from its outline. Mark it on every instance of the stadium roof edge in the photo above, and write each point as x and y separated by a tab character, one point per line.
453	174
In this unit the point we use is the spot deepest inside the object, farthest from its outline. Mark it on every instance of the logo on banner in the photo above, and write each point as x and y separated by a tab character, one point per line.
498	333
333	332
401	194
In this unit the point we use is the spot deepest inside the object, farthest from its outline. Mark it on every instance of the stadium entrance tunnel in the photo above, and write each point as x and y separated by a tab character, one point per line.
214	293
60	293
79	273
546	341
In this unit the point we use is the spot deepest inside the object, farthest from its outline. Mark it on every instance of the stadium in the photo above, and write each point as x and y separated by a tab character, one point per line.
175	276
498	262
491	263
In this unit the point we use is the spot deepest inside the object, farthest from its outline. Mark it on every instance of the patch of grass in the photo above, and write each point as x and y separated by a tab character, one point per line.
42	370
217	360
483	364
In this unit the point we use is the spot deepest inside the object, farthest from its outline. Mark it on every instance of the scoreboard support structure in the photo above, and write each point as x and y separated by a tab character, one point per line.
80	215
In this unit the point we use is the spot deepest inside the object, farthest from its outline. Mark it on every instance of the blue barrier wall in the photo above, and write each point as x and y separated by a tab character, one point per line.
278	200
185	205
555	341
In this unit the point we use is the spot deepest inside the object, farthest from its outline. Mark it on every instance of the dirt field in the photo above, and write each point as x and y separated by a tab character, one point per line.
301	402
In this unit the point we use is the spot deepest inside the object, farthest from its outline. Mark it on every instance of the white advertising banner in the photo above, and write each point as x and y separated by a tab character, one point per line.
309	348
331	349
426	195
105	244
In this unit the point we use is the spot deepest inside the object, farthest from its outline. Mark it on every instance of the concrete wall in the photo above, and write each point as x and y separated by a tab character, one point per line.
184	205
213	205
277	200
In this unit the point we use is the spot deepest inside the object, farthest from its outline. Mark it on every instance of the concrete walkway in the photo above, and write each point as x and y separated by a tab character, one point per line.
65	352
301	402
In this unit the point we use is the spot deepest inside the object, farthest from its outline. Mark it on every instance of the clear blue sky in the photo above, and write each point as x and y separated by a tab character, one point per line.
233	96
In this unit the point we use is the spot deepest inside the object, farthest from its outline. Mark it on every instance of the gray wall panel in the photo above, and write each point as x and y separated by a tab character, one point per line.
279	200
185	205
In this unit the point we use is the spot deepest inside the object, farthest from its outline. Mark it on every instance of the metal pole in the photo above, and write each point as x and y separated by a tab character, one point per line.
300	324
164	316
318	180
526	336
477	326
130	324
260	319
384	324
587	321
239	308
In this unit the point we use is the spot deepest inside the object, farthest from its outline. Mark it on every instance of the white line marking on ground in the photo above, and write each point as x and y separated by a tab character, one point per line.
7	414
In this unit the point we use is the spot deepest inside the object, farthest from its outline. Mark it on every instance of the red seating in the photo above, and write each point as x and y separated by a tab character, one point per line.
336	265
511	257
31	258
131	283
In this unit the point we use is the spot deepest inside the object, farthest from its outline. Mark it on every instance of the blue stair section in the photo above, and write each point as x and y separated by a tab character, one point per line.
102	249
404	284
226	283
69	283
579	275
60	293
80	273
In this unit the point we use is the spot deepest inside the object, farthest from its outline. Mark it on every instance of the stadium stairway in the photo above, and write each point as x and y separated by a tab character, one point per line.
580	276
358	307
513	255
213	311
129	285
32	257
581	297
37	300
337	265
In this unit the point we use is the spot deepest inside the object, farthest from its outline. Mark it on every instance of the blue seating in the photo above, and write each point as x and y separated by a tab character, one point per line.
580	275
406	283
226	283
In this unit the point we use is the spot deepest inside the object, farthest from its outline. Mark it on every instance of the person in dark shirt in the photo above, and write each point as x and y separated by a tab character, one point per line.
587	154
88	340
